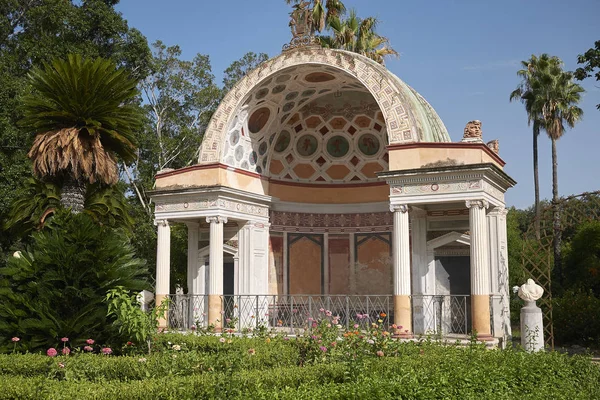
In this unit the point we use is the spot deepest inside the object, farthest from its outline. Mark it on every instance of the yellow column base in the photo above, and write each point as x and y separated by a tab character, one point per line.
403	315
163	323
480	310
215	318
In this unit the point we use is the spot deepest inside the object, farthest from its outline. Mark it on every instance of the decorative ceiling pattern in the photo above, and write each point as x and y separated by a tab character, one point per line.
309	124
408	117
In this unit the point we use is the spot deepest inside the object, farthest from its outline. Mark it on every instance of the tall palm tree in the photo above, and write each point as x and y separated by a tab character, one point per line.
359	36
557	97
84	116
531	70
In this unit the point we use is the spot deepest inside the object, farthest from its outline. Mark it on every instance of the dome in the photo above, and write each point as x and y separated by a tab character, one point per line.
320	116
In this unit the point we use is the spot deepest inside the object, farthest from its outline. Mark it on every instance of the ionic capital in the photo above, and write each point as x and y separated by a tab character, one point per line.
477	203
216	220
500	211
161	222
403	208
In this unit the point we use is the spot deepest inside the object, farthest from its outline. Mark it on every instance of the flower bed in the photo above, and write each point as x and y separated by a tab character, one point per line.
325	362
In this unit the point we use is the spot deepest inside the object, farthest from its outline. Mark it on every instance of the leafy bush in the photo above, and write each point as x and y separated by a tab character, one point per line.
418	371
576	317
57	288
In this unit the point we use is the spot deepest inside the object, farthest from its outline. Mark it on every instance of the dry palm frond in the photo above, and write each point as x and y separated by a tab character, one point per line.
73	152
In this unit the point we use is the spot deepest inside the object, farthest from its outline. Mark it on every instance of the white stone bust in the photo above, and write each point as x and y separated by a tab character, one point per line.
530	291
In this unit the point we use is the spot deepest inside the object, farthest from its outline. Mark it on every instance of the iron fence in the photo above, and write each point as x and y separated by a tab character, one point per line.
432	314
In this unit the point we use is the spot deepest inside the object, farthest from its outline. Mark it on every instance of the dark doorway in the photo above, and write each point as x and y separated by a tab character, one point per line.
454	275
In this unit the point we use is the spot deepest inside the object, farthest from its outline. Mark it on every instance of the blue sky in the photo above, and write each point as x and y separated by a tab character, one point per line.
462	56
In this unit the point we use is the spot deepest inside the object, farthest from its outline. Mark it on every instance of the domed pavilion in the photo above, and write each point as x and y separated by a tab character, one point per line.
325	181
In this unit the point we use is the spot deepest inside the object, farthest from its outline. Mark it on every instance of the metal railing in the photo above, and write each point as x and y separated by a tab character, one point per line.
441	314
432	314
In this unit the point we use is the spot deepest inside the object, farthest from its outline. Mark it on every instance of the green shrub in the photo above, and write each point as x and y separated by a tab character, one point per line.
57	288
429	372
576	317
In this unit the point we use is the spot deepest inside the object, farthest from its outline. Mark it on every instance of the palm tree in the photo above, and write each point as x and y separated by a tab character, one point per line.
322	14
557	97
83	115
532	70
357	35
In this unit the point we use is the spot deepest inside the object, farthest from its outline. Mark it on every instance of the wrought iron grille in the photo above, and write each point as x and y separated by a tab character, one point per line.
432	314
441	314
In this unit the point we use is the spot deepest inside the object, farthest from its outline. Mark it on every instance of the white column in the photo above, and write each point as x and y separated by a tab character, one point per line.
192	254
401	250
215	273
352	264
499	273
401	263
163	257
163	267
245	258
420	272
480	269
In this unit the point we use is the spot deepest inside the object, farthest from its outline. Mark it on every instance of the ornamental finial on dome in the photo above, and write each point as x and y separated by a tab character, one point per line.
302	26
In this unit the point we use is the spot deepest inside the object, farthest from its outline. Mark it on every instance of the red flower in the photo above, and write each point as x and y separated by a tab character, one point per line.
66	351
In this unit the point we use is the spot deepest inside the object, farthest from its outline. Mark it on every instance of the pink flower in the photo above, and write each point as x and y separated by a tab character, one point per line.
379	353
15	339
323	349
314	324
228	320
321	309
61	365
51	352
64	340
90	341
106	350
328	313
355	326
66	351
222	340
286	338
251	352
193	327
88	348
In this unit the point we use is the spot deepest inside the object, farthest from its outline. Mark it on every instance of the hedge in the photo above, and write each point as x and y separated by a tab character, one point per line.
417	372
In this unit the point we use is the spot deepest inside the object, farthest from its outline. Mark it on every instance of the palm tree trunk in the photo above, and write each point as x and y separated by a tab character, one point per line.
556	216
72	195
536	180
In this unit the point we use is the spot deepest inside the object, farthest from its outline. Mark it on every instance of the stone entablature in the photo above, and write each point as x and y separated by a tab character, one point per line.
447	184
208	202
332	223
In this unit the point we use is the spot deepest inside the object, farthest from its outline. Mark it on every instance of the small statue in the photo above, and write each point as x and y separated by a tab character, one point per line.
301	20
494	145
530	291
472	132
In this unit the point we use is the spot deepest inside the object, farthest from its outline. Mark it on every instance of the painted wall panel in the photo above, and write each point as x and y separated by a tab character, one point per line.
339	264
305	264
373	266
276	265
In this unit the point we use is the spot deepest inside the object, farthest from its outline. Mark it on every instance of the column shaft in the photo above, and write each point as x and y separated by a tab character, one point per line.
192	253
401	275
215	275
163	267
480	269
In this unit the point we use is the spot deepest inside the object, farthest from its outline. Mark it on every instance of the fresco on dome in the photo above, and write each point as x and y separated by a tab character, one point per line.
307	145
338	146
368	144
283	141
259	119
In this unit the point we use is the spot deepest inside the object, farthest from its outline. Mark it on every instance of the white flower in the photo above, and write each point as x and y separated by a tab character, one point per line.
338	326
176	347
515	289
17	254
142	360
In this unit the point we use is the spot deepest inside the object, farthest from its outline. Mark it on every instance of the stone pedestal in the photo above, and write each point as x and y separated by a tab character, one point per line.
532	327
